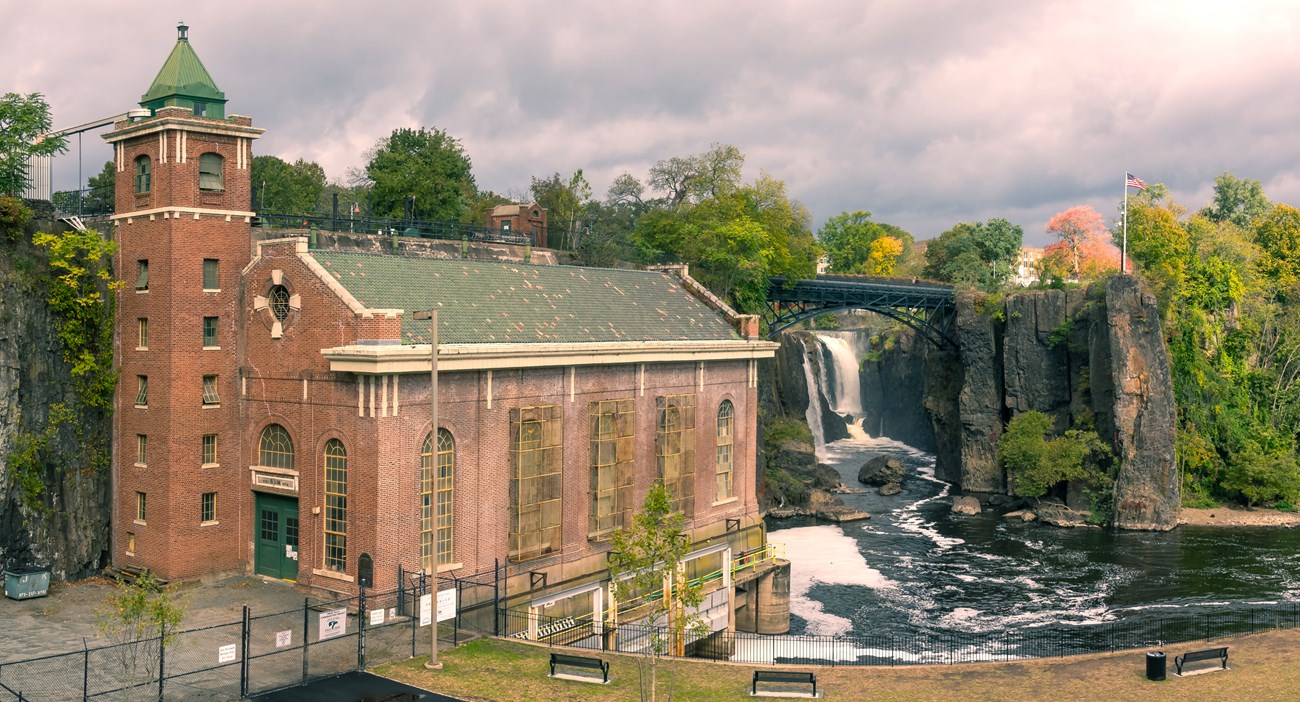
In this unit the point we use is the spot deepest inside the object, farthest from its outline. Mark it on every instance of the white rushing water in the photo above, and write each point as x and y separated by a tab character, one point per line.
844	392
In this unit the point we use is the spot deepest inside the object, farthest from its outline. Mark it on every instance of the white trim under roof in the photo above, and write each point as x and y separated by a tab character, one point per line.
395	358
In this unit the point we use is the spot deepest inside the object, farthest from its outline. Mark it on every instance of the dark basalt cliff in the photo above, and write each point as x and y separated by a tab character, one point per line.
66	528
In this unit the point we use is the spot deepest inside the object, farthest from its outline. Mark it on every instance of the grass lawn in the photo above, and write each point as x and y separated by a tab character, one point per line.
1262	667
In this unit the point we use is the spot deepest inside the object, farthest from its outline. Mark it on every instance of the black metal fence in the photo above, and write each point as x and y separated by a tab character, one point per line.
945	647
256	654
365	224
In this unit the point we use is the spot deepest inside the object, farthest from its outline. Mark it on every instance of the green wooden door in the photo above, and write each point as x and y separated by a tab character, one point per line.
276	527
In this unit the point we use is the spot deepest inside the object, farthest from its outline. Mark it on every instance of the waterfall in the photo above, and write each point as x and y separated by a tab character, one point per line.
846	395
813	414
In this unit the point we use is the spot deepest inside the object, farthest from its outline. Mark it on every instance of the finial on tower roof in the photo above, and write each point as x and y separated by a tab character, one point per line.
182	29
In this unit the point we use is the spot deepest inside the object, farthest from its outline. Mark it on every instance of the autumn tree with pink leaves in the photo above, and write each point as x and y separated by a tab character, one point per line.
1083	248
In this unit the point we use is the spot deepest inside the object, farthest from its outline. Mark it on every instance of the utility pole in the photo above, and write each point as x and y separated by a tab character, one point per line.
432	316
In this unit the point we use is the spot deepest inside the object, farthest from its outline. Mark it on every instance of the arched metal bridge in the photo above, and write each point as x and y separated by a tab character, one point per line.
926	307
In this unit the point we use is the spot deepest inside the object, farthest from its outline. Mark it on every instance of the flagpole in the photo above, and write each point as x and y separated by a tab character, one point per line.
1123	252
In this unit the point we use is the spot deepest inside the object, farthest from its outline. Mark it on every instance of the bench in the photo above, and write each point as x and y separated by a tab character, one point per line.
1209	654
784	676
572	661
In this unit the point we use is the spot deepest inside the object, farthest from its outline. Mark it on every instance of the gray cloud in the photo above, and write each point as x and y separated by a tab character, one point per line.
926	113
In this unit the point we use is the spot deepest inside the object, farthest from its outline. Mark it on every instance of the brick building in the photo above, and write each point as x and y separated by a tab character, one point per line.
274	403
528	219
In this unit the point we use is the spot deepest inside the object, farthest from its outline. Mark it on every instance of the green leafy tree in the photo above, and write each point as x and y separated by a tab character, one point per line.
1262	473
24	125
646	564
980	254
848	237
683	179
288	188
140	618
1278	234
565	200
1036	461
1237	200
428	165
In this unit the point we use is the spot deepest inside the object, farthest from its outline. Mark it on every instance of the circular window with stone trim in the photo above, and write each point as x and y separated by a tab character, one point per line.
279	301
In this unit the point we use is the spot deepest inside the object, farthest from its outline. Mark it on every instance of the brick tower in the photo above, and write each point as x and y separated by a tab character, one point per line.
183	228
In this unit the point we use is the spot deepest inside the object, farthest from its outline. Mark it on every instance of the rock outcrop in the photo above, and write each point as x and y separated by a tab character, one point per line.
881	470
66	527
966	504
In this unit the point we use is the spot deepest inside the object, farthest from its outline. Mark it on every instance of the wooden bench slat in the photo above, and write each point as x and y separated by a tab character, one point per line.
790	676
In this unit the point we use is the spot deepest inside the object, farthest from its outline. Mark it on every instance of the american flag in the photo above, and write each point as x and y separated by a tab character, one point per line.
1135	182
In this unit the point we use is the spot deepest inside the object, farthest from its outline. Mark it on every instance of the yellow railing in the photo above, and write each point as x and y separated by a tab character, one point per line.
768	553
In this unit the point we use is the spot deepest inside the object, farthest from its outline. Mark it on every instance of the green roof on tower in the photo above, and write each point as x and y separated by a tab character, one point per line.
184	82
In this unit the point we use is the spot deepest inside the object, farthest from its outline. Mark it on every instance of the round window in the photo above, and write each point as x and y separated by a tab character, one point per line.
279	298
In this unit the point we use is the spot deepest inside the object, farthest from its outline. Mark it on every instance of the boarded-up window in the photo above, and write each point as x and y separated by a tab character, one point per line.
535	485
446	481
675	449
336	506
212	172
613	425
726	458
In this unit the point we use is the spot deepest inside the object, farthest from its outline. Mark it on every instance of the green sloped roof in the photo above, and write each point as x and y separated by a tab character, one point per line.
183	74
497	302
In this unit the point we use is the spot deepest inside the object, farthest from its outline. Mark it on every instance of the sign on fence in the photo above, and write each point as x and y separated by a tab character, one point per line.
377	616
426	609
446	605
333	623
226	653
284	638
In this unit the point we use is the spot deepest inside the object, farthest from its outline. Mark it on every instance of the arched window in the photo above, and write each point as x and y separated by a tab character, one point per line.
275	450
212	172
726	458
336	506
143	180
441	533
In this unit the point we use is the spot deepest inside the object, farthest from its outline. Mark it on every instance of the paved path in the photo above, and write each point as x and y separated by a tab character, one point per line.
59	622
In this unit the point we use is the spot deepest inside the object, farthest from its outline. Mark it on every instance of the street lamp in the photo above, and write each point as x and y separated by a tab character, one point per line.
432	316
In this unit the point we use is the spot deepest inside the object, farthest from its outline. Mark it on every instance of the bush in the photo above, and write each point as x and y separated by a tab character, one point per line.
1035	463
14	216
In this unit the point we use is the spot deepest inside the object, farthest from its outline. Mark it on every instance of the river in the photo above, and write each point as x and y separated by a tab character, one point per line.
917	572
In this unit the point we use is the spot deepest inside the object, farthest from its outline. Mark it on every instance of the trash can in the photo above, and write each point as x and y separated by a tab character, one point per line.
26	583
1156	665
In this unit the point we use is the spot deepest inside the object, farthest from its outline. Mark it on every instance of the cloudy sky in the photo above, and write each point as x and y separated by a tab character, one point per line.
925	112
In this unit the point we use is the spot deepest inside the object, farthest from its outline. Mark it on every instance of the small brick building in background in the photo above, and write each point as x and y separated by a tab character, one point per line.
273	411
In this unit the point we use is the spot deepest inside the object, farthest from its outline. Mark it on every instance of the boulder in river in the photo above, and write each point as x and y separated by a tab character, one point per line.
889	489
965	505
882	470
1023	515
1057	514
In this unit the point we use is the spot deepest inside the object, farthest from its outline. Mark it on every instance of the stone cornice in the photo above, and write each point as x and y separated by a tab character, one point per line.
380	359
175	211
192	124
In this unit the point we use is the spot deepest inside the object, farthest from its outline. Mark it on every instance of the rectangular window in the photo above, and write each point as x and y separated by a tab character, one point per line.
208	507
142	333
139	507
130	543
675	449
209	449
141	450
142	394
210	267
210	390
210	172
210	333
142	274
613	425
535	487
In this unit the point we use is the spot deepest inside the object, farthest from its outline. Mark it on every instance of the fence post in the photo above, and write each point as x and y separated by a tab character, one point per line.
162	659
496	596
243	657
361	629
306	629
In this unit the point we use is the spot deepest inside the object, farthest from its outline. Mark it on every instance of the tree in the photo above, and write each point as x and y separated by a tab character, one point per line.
1036	462
884	254
1278	234
647	558
1082	233
427	165
980	254
140	618
711	174
24	125
1236	200
565	201
287	188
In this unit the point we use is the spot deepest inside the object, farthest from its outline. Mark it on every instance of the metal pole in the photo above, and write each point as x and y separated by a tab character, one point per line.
243	658
162	657
79	181
1123	252
85	671
305	630
432	316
